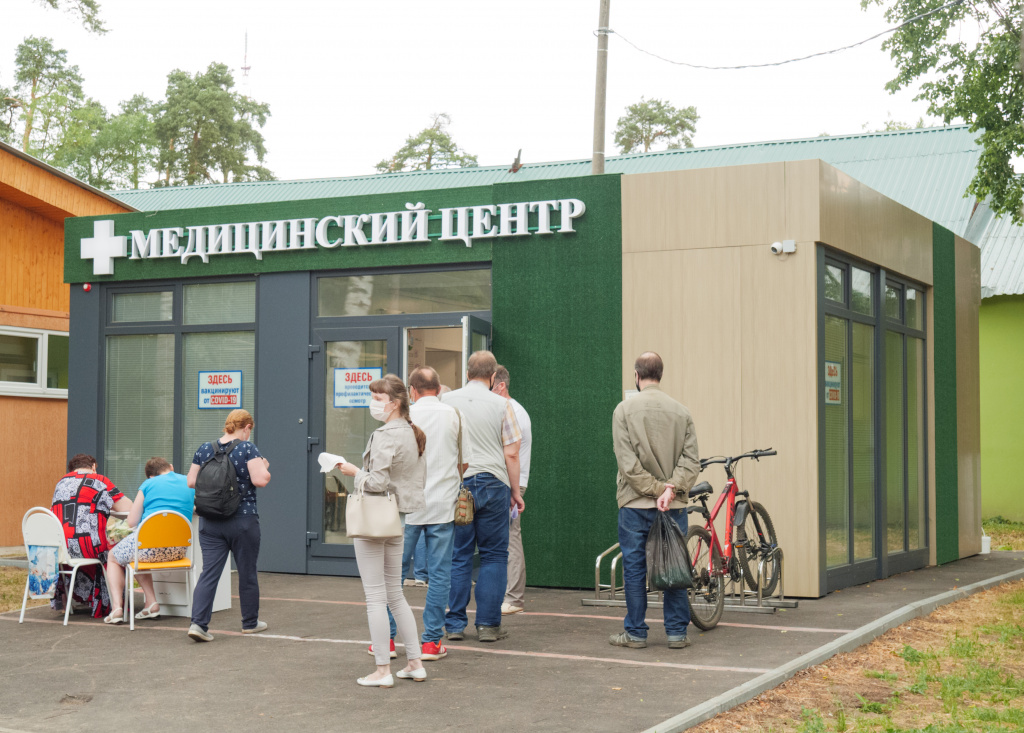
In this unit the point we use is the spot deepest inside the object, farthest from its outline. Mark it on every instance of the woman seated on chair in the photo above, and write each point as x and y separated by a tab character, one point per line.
161	491
82	501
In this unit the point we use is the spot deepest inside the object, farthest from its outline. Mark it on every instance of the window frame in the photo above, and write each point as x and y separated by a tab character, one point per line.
39	388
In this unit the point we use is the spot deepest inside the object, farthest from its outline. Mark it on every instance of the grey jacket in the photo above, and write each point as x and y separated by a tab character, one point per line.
391	463
655	444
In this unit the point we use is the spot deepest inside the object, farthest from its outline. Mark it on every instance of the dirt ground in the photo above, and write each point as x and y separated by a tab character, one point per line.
960	668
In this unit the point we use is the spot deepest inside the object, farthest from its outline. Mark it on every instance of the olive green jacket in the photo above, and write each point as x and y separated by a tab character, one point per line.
655	444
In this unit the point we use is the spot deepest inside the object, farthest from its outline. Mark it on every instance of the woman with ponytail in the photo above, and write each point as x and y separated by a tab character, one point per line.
392	463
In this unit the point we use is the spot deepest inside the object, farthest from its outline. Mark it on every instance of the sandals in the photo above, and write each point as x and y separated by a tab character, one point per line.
148	612
116	617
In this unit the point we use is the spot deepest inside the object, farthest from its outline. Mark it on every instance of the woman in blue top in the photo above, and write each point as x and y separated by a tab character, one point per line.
161	491
238	534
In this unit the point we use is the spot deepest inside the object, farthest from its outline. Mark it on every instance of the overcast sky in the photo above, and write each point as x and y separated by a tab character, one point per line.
347	81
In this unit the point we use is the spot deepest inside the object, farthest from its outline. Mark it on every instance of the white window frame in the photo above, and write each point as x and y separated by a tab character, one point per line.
39	389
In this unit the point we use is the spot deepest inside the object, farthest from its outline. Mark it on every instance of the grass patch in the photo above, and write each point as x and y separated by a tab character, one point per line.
958	670
1006	534
12	589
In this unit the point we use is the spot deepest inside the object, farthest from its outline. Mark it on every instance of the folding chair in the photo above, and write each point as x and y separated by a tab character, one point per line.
163	529
40	527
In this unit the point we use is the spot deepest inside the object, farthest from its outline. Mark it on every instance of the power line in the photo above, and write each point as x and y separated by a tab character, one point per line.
787	61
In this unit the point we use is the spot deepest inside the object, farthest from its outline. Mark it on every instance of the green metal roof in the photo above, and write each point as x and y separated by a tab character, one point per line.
926	170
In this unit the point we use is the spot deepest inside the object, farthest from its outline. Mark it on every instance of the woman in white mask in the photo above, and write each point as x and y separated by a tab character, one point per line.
392	463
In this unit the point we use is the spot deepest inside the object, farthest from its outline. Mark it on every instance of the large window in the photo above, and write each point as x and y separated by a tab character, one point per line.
33	363
873	421
167	349
409	292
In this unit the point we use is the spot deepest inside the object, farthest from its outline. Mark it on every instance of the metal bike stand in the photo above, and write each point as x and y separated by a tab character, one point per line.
606	594
736	601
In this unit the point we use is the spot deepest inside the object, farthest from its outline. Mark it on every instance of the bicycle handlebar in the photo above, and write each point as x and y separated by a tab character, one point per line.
730	460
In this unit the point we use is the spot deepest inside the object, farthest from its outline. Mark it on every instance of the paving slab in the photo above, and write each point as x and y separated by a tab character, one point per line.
556	670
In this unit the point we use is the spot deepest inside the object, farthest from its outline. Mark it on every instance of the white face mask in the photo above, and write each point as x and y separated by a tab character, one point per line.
379	410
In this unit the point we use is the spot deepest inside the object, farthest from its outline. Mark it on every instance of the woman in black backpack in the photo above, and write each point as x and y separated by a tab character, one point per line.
238	533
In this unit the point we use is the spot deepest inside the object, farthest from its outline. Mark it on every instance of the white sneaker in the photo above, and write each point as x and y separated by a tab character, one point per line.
409	582
260	626
507	609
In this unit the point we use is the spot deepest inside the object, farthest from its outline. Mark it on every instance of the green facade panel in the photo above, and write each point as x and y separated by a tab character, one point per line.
947	520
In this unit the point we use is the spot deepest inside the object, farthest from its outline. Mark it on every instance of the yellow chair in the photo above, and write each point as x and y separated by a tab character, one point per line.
163	529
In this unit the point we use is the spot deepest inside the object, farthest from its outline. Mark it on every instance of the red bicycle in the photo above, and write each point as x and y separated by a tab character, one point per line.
712	562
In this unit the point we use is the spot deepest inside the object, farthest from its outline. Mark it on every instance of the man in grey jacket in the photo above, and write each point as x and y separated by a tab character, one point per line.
656	450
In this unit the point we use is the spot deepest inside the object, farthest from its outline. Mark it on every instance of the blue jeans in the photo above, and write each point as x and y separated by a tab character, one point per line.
419	559
489	532
634	526
437	539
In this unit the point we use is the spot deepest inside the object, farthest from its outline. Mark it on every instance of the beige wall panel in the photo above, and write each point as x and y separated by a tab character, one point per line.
673	304
968	395
33	447
715	207
860	221
778	349
803	212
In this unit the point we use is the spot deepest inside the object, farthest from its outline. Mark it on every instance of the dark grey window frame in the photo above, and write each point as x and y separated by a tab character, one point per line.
176	327
883	564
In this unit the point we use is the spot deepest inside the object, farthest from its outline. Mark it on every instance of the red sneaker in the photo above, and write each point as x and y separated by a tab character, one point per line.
432	651
394	654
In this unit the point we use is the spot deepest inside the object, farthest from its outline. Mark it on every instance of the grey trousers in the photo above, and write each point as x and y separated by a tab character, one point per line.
516	587
380	567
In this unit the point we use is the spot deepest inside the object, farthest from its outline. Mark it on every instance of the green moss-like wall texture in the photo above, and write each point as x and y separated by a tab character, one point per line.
558	327
947	526
1001	326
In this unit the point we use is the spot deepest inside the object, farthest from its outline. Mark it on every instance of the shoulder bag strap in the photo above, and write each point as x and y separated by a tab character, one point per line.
458	467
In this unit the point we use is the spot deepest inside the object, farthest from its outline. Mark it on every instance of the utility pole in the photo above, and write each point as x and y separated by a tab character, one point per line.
597	166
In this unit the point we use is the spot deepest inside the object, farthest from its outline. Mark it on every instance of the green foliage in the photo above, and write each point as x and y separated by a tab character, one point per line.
912	656
47	91
812	721
87	10
204	129
867	706
432	147
649	122
877	675
980	83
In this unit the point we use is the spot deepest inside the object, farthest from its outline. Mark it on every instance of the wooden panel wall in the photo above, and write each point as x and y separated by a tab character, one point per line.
33	452
735	325
37	189
968	395
862	222
31	260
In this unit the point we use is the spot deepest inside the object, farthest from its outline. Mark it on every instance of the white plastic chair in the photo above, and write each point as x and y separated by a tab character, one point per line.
41	527
163	529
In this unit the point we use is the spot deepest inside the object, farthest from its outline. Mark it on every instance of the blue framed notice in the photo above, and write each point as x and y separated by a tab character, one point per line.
352	386
220	390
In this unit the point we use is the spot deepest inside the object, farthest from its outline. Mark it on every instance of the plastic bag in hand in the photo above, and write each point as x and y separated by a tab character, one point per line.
668	562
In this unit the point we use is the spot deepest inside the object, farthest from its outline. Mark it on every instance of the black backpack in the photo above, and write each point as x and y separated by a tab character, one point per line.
217	493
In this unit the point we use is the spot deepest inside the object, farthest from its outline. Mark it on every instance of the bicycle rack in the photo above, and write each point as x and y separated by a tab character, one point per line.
610	594
736	599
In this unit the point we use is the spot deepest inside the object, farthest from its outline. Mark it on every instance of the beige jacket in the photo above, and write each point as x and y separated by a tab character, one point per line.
655	444
391	463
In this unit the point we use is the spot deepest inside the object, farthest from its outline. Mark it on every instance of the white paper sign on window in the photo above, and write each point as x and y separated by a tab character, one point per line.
352	386
220	390
833	383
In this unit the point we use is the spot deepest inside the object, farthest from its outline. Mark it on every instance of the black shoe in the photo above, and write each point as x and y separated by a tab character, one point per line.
678	642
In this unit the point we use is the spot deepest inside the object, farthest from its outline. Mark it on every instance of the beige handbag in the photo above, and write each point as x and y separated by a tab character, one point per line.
464	506
372	516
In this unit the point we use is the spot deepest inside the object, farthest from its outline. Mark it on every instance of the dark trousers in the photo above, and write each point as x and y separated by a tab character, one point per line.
239	535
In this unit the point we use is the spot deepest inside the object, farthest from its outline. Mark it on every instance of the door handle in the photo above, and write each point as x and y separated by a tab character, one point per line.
310	442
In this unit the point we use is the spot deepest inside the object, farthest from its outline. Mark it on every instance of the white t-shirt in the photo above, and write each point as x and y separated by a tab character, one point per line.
441	424
527	442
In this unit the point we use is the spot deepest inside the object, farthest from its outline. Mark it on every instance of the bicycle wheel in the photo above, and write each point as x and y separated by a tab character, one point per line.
755	539
707	596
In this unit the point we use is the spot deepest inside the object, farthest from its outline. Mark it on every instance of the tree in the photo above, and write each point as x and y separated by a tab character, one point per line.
980	83
431	147
648	122
46	91
204	129
87	10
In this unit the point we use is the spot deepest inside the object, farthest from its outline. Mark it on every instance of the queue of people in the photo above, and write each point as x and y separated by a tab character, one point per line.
427	448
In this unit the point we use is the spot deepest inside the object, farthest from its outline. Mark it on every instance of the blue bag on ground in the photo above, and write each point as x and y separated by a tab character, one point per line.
668	561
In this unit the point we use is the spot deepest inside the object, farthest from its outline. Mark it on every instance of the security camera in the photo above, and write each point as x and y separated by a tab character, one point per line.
786	246
776	248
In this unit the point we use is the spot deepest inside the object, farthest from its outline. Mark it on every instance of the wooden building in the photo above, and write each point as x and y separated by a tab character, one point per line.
34	303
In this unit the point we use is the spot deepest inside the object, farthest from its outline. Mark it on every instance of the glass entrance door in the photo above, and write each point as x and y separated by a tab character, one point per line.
343	363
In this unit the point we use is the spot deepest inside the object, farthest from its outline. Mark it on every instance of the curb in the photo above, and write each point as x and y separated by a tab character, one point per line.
7	562
849	642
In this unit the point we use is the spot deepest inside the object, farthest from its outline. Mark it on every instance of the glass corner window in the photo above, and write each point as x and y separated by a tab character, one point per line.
835	286
915	309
